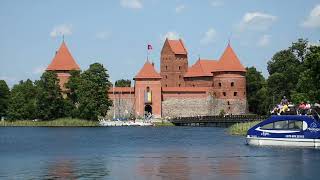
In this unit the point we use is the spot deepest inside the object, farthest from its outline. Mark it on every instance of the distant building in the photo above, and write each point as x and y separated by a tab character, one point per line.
62	64
205	88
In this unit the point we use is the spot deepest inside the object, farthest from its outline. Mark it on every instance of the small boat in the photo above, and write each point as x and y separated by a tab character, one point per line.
286	130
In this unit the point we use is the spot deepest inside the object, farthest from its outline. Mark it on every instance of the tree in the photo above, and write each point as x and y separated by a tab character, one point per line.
308	87
299	48
49	100
22	103
92	92
4	97
284	69
123	83
255	94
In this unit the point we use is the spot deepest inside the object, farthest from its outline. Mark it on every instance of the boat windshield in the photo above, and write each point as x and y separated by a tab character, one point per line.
284	125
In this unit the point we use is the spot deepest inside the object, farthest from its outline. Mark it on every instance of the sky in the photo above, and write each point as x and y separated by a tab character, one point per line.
116	32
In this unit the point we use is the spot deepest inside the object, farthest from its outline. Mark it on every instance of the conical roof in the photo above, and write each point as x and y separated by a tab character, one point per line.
147	72
229	61
63	60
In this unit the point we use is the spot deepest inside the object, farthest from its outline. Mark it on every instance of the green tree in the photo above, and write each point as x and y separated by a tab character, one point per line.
73	92
92	92
123	83
308	86
4	97
22	103
49	100
284	69
256	96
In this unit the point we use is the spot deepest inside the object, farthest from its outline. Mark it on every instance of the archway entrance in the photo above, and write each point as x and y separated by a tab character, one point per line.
148	110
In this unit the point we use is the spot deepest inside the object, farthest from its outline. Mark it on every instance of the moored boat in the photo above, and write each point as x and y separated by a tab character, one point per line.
286	130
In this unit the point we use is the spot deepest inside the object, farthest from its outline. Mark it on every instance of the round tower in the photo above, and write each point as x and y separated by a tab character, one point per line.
229	83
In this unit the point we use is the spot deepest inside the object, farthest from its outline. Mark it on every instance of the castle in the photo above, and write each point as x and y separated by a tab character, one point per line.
205	88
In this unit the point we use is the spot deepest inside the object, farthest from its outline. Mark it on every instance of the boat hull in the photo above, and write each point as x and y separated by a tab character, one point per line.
291	142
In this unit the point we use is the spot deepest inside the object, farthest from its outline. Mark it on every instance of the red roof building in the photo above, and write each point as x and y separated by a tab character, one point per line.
148	72
177	46
63	60
229	61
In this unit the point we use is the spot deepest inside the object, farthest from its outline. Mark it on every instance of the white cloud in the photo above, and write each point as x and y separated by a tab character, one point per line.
216	3
256	21
180	8
264	40
313	20
39	70
170	35
63	29
131	4
209	36
104	35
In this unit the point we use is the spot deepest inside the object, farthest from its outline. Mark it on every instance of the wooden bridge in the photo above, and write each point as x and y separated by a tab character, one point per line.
216	121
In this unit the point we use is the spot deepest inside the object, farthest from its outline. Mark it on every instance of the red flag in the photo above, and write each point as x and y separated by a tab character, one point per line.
149	47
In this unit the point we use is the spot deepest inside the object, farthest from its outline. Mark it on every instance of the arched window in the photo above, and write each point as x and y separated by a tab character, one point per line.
224	94
219	84
235	93
232	84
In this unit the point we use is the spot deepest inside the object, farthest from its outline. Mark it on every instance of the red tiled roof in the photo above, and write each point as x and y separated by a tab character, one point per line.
121	89
147	71
229	61
185	89
63	60
177	46
202	68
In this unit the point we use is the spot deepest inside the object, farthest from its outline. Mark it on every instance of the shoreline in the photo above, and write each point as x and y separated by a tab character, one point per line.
241	129
66	122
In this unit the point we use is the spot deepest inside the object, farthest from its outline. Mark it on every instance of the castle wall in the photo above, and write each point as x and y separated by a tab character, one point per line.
198	81
123	103
186	102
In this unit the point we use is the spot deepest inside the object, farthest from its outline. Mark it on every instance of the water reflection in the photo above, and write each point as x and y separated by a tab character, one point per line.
62	168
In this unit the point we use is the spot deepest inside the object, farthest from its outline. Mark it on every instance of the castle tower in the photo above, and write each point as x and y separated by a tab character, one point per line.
173	63
148	91
229	82
62	64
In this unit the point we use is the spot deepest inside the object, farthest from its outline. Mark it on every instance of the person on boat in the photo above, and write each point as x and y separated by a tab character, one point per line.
284	109
284	100
302	108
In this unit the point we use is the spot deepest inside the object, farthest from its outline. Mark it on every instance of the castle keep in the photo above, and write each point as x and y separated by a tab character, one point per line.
205	88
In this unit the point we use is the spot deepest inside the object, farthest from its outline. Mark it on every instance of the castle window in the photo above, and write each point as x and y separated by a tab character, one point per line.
244	93
166	76
235	93
228	103
179	67
232	84
166	85
193	85
179	85
180	76
166	67
219	84
224	94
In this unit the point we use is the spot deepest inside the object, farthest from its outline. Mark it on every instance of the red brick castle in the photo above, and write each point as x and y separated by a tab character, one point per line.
205	88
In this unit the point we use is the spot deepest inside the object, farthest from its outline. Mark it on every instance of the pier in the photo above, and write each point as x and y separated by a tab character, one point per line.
215	121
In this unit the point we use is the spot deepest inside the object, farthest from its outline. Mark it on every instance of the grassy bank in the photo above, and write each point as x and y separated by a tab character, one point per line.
53	123
241	128
161	124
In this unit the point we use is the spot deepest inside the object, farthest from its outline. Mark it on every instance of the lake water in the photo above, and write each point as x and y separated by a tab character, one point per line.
146	153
